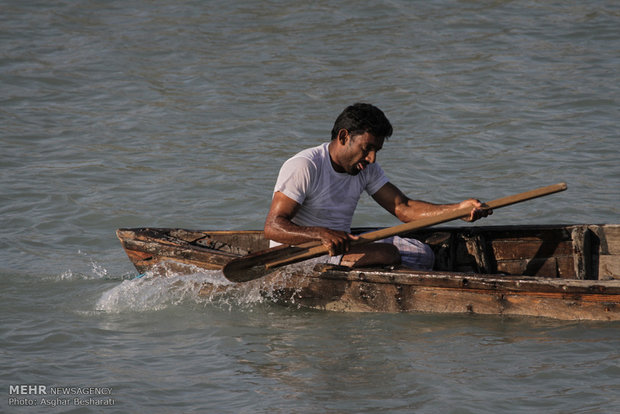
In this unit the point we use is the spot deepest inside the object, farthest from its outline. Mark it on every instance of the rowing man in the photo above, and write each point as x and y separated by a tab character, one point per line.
318	189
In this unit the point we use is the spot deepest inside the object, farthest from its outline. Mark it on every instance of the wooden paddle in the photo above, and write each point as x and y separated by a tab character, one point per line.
258	264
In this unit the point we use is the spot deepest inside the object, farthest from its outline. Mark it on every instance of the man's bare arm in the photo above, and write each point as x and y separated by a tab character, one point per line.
405	209
280	228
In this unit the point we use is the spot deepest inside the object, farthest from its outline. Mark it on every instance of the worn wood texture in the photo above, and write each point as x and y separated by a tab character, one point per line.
608	260
451	293
150	247
612	240
609	267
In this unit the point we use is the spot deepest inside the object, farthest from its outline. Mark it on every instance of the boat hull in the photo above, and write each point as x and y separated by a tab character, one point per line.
562	272
370	290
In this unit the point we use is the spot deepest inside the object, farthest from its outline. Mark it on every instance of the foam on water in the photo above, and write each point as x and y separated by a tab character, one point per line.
162	288
151	292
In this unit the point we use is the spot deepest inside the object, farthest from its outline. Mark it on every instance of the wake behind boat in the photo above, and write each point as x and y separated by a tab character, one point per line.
569	272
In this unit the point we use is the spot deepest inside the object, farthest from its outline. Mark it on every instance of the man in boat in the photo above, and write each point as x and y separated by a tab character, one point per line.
318	189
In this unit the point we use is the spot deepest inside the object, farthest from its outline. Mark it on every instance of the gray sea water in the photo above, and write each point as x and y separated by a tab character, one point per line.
178	114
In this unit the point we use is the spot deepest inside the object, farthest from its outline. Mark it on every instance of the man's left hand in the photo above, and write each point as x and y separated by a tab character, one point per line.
478	209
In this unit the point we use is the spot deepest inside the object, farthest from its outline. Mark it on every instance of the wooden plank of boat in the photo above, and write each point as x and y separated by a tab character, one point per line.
558	271
179	248
336	289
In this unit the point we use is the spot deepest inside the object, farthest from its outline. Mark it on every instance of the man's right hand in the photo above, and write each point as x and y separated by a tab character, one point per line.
280	228
337	242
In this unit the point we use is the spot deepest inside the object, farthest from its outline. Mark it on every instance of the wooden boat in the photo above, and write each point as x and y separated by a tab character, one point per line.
569	272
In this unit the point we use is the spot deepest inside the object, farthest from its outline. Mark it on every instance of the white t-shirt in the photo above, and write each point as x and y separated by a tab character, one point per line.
328	198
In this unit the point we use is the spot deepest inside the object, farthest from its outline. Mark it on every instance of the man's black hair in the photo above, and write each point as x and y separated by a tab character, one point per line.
360	118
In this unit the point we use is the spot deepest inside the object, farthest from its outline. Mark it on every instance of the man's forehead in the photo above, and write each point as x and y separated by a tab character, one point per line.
369	139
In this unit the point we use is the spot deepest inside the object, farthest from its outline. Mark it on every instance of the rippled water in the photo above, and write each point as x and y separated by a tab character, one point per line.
179	114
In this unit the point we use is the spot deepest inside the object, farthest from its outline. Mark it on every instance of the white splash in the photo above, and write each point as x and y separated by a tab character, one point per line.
152	292
165	288
96	271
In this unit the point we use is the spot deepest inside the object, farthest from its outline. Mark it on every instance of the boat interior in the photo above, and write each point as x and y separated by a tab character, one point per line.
587	252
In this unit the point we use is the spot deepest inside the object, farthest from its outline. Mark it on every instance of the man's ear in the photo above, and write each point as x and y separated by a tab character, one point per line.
343	136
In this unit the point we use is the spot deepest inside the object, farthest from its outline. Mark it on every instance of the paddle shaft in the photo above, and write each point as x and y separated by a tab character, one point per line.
316	248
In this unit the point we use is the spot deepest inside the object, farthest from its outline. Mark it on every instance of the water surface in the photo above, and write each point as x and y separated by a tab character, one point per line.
127	114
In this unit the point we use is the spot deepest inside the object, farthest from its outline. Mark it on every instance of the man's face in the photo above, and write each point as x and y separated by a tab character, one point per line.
359	151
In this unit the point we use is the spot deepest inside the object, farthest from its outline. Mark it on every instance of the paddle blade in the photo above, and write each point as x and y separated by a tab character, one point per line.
238	271
256	265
